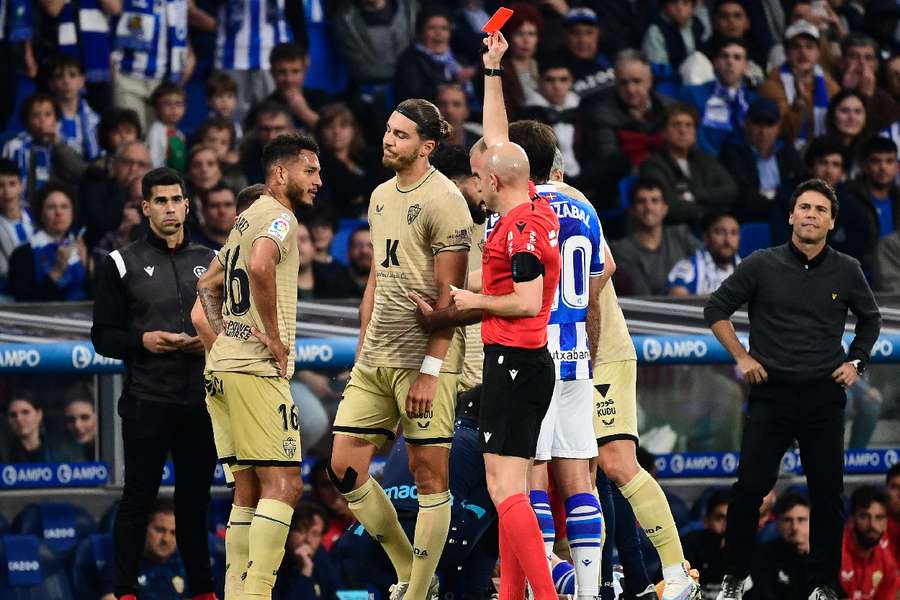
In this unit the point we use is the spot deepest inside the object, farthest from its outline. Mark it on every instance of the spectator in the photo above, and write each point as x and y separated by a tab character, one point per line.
270	120
800	87
351	169
871	202
865	549
731	21
129	228
524	30
556	104
703	547
624	23
104	195
81	422
160	573
429	62
116	127
150	45
451	101
722	104
590	67
891	77
623	129
15	223
881	19
892	481
219	210
332	279
78	121
645	257
695	183
371	35
221	98
326	494
762	167
32	149
847	120
53	266
307	571
289	63
859	72
204	171
29	443
322	227
780	567
168	145
360	255
306	278
704	272
246	34
673	35
219	134
468	19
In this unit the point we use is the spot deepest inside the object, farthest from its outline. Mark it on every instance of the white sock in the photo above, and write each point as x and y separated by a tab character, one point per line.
584	525
675	571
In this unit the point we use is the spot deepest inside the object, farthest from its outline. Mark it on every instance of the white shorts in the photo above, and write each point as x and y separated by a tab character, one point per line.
567	430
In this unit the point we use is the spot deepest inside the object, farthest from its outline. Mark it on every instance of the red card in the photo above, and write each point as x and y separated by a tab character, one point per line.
497	21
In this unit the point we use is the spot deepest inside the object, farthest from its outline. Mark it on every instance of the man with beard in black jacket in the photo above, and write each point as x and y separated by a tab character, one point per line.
145	292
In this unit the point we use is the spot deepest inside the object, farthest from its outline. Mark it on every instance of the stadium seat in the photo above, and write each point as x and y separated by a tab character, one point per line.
753	237
341	241
108	520
30	570
91	555
60	524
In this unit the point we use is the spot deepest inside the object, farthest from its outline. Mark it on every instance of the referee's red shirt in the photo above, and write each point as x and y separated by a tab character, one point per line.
530	227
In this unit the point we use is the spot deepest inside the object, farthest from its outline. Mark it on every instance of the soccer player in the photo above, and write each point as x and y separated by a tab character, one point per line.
421	232
249	299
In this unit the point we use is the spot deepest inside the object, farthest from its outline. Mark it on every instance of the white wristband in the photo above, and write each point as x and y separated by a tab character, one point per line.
431	366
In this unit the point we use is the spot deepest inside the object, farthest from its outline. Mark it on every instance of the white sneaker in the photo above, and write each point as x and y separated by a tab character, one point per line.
681	588
648	593
398	590
732	588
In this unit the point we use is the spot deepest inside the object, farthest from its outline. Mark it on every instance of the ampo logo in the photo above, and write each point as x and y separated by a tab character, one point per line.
64	473
81	356
883	347
890	458
676	463
652	349
729	462
661	463
199	270
9	475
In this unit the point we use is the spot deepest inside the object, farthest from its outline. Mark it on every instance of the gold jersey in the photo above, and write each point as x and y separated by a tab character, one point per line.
615	342
236	348
470	335
409	227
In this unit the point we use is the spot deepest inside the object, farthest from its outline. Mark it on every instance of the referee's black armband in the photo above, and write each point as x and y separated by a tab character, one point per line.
525	267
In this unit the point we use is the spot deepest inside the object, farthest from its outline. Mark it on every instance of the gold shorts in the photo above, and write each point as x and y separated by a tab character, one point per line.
615	401
374	403
255	421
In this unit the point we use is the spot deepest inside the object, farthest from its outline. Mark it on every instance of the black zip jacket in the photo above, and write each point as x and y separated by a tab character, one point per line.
147	287
798	310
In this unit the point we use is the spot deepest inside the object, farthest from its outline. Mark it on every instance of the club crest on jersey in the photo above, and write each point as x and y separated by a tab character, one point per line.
280	227
412	213
199	270
290	447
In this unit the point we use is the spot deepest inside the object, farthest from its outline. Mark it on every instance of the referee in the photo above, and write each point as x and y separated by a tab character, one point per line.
145	292
798	295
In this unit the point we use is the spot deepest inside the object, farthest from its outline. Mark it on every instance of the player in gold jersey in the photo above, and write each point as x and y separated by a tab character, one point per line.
249	300
421	232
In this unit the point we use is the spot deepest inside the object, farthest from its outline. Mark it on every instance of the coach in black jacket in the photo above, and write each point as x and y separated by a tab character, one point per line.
145	292
798	296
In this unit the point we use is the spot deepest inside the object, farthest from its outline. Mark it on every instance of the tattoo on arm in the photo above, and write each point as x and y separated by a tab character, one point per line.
211	301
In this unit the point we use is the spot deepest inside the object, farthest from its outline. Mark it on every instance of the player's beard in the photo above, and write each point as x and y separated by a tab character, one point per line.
400	162
478	210
295	194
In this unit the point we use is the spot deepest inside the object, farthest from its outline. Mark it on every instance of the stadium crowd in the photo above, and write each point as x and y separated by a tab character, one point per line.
686	123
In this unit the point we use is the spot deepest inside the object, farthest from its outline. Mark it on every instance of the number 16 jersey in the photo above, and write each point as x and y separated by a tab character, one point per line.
236	349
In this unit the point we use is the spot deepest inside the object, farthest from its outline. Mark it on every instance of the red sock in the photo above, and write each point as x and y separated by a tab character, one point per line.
519	524
512	577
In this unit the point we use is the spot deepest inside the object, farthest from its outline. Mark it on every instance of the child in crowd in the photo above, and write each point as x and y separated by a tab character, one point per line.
674	35
78	125
15	223
221	97
167	144
218	133
31	150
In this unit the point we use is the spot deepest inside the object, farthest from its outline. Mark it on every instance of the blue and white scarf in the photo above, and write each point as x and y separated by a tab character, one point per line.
451	66
45	251
725	111
820	103
22	150
144	47
83	32
80	132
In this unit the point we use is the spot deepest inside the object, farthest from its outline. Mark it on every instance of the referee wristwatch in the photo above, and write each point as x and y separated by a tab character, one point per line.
859	366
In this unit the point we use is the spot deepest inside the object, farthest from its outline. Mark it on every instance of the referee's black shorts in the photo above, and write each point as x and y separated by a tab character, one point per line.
516	392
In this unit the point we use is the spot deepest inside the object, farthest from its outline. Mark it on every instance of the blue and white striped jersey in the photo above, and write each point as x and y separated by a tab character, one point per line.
699	273
581	253
151	39
247	31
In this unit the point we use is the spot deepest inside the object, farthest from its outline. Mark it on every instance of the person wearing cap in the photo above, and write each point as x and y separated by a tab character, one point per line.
761	165
723	102
674	35
800	86
591	68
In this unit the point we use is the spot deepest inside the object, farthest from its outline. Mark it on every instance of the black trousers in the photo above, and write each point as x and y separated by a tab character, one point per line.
150	432
779	413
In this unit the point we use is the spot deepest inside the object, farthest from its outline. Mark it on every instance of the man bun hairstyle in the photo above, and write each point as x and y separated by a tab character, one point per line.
452	161
815	185
287	147
427	117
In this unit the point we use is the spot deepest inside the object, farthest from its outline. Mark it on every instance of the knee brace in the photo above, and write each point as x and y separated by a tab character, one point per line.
345	485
